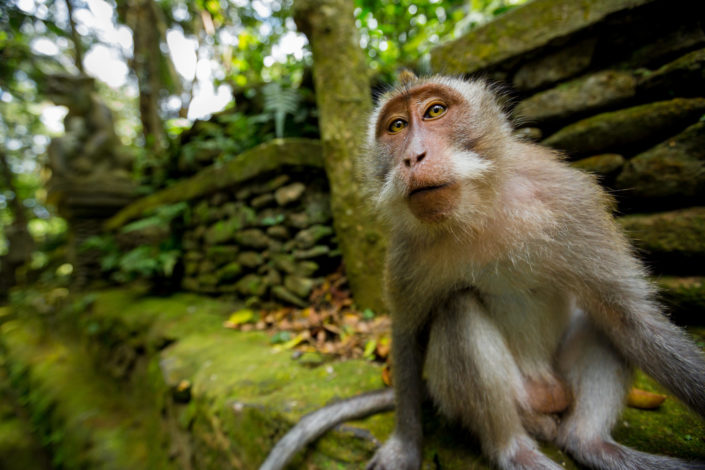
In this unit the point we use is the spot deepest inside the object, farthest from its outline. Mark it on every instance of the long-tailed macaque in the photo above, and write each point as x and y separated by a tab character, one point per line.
511	288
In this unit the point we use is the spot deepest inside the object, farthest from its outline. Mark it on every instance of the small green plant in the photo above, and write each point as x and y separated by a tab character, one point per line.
155	261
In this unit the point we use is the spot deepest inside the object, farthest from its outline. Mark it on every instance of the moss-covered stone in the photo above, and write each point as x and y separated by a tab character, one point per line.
225	230
560	65
264	158
252	238
673	169
289	194
288	297
308	237
581	96
229	272
605	165
251	285
300	286
627	130
222	254
673	241
244	394
521	30
20	448
250	259
685	297
86	419
682	77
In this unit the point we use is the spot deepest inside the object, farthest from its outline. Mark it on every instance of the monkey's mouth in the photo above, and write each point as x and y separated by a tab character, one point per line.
429	188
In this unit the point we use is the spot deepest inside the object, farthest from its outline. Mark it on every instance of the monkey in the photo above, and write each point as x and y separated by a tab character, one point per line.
512	292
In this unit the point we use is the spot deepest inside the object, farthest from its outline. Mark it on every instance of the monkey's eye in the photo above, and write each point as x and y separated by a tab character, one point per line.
397	125
435	111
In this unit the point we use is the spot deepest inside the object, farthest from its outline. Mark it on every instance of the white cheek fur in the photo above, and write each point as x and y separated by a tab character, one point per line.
469	165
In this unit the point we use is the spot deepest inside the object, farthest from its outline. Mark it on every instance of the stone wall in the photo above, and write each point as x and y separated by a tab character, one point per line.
619	87
268	239
260	225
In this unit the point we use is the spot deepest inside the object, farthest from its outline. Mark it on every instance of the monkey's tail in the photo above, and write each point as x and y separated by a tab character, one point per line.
611	455
315	424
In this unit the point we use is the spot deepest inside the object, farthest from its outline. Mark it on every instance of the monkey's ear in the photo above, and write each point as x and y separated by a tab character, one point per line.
406	76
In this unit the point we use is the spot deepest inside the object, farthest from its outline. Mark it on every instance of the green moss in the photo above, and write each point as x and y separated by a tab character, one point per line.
258	160
245	394
521	30
670	430
627	128
85	419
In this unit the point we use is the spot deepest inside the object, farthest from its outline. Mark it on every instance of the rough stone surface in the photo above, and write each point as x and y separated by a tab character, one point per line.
312	235
262	201
229	272
299	286
581	96
685	298
627	129
299	220
252	238
520	31
278	231
250	259
606	165
289	194
682	77
673	169
283	294
266	157
673	242
560	65
251	284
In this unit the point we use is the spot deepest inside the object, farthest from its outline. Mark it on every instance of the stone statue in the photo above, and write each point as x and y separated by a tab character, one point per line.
90	169
90	146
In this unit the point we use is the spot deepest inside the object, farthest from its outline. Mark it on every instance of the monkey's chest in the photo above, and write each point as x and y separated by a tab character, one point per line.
530	318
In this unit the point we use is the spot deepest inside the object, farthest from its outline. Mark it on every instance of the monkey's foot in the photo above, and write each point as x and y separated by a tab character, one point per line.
524	455
396	454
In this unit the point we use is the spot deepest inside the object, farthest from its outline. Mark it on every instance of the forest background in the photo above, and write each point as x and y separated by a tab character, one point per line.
243	58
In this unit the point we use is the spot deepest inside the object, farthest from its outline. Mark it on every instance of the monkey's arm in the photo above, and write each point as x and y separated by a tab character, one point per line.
313	425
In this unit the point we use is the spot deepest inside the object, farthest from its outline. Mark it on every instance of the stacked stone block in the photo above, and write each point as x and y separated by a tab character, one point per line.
266	240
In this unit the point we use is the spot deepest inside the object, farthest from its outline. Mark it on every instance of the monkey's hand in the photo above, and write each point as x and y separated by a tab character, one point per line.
397	454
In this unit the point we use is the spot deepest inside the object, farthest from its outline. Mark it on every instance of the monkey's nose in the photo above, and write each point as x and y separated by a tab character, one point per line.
409	162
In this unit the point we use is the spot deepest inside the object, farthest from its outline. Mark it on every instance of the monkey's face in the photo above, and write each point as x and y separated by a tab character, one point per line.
426	145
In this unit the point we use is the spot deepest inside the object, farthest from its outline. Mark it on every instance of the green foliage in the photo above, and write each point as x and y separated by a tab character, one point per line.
402	33
280	101
155	261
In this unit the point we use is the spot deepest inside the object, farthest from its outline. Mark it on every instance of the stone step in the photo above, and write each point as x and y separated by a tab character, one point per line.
87	422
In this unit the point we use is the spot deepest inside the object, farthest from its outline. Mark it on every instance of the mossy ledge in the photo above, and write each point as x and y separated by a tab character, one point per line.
258	160
157	382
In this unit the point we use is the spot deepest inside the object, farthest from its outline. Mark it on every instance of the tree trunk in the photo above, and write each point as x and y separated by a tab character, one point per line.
76	39
146	23
344	102
19	240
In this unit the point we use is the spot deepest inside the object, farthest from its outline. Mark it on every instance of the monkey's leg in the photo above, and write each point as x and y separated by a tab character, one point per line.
473	377
600	379
402	451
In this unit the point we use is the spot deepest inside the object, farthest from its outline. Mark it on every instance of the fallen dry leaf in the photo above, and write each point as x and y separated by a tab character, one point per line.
330	325
644	400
